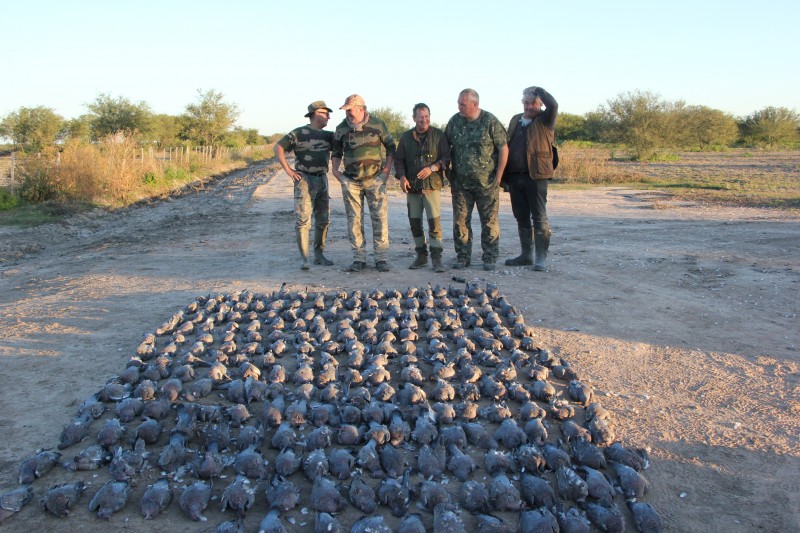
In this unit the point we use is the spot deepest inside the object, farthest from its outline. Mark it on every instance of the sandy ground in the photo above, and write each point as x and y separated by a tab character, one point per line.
684	317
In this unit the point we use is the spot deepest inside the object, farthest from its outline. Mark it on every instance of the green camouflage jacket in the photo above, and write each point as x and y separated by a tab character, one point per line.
311	147
474	147
361	150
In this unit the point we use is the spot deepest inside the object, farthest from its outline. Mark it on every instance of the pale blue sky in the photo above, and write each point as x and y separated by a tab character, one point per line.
273	58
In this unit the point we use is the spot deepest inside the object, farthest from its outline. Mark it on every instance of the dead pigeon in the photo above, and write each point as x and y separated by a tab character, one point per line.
474	496
12	501
271	523
90	458
325	497
646	518
327	523
110	498
538	521
75	432
156	498
61	498
635	458
340	463
411	523
492	524
446	519
371	524
537	491
194	500
37	465
606	518
238	496
570	485
631	482
362	496
503	495
282	494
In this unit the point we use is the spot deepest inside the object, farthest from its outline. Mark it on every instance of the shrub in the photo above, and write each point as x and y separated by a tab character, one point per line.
8	201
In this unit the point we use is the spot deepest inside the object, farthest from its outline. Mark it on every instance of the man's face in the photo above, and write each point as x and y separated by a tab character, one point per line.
531	106
467	108
422	119
356	114
320	119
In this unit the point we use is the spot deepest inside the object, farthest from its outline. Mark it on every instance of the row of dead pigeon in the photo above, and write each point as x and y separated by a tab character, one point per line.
408	408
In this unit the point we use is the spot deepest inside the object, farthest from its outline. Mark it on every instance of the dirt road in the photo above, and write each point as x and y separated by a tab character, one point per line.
683	316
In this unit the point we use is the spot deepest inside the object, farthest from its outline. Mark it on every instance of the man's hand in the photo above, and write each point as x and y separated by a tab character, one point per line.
404	184
296	176
425	172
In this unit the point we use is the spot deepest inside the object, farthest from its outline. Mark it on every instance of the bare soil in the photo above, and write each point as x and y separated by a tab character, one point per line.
684	317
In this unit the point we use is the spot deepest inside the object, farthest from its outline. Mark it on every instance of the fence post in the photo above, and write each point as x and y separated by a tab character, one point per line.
12	173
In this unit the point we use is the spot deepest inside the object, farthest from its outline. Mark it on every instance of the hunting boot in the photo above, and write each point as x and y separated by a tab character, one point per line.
542	240
319	246
302	245
526	241
422	258
436	259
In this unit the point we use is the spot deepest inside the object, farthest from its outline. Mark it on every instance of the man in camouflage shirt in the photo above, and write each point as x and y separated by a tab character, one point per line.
312	148
479	151
357	141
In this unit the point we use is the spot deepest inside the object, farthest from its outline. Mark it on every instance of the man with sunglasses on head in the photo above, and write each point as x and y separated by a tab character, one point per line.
312	146
357	141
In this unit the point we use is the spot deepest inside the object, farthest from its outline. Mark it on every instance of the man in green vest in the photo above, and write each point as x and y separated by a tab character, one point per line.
531	164
311	145
422	156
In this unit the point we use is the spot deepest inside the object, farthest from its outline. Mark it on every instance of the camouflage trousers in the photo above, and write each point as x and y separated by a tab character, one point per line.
354	194
419	204
488	203
311	197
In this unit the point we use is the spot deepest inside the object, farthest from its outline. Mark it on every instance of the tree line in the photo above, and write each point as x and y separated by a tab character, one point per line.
645	123
208	121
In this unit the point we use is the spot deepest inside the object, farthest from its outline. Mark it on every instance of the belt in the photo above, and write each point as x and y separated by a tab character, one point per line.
317	174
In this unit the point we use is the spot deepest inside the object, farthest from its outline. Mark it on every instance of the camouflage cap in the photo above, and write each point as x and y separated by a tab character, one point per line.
352	101
316	106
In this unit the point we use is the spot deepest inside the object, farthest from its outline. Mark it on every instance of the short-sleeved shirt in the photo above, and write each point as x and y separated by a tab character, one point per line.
311	147
361	149
474	146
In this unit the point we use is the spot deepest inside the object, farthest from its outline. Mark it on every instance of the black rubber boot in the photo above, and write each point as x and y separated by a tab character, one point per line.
542	240
526	242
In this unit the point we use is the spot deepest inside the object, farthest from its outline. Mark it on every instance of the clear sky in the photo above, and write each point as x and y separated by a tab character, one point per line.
273	58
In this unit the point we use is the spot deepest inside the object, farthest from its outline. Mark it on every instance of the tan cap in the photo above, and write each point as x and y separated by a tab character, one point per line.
352	101
316	106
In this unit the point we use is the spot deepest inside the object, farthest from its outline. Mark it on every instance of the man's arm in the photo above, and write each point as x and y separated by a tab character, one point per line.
551	111
335	164
280	153
502	159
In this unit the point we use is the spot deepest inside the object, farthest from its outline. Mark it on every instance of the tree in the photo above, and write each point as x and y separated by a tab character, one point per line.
704	127
207	121
79	129
393	120
571	127
165	130
111	116
32	128
772	126
640	120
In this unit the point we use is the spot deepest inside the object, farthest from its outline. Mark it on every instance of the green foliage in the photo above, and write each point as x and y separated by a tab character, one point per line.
772	127
240	137
641	120
164	131
571	127
79	129
704	127
110	116
8	201
207	121
32	128
37	182
394	120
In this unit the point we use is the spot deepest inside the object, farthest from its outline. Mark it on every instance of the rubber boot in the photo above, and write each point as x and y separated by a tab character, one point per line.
436	260
422	258
542	240
526	242
302	245
319	246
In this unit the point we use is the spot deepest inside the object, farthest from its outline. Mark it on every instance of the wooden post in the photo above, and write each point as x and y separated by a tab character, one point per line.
12	173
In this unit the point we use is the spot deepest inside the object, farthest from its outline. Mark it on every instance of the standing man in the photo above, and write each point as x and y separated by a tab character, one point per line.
358	140
530	167
423	154
479	150
312	148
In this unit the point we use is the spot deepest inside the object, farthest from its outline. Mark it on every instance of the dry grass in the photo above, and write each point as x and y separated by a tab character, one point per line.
735	177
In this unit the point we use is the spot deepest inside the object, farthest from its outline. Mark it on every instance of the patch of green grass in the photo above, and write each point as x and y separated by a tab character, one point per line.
7	200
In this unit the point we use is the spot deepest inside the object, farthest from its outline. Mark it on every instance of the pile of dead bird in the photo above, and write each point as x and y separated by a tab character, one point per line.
429	409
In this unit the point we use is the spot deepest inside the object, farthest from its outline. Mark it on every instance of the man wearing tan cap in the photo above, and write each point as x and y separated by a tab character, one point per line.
357	141
311	145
